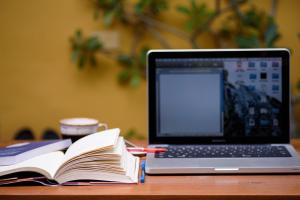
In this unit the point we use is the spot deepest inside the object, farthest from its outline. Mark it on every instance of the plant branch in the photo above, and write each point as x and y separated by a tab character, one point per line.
159	37
137	36
217	39
198	31
158	24
217	6
273	10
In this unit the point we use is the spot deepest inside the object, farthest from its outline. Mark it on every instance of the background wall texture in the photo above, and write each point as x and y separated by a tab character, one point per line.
39	85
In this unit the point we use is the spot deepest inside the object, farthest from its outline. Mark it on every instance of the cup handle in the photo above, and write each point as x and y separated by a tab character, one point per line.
103	125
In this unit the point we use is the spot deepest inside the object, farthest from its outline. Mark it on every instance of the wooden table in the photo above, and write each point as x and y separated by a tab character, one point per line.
172	187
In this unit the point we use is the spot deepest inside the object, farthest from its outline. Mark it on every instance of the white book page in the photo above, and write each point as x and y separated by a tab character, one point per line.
117	149
93	142
132	166
94	158
130	177
46	165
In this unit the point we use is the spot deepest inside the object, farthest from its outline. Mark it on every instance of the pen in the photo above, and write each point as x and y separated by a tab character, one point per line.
147	150
143	174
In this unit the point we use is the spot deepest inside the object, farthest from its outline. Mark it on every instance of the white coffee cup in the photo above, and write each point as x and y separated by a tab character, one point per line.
76	128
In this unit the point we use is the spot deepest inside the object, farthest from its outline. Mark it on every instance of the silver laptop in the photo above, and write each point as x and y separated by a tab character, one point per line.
220	111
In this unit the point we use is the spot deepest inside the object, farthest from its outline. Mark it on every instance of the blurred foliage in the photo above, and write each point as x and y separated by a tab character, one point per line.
84	49
253	29
240	28
151	7
133	134
112	10
133	68
198	15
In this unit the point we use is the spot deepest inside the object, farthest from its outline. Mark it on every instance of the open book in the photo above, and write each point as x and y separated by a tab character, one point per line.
99	156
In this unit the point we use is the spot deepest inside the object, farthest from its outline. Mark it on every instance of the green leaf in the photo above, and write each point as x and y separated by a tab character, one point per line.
131	133
225	31
252	18
198	16
183	10
271	34
112	10
75	55
108	17
124	76
150	6
81	61
193	5
247	41
189	25
125	60
160	5
93	44
84	49
102	2
135	80
92	60
76	40
78	34
143	56
140	6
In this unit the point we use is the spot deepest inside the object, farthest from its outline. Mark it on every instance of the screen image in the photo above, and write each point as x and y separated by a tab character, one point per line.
231	97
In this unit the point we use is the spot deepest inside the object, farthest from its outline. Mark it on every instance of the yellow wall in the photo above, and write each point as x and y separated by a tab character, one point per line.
39	85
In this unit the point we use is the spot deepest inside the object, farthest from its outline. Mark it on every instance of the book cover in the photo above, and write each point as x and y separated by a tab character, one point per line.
19	152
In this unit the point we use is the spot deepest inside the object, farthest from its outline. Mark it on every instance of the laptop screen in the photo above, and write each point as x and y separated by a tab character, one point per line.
183	109
219	97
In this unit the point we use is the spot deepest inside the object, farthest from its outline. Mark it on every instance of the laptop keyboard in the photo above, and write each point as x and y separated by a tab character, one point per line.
223	151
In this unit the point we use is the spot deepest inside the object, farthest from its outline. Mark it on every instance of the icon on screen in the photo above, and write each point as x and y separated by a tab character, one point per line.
251	88
251	122
251	64
275	122
263	76
239	64
275	76
251	110
252	76
263	87
263	64
275	110
264	122
275	64
263	111
275	88
263	99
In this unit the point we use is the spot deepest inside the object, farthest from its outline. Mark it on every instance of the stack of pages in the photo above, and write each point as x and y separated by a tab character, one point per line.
101	156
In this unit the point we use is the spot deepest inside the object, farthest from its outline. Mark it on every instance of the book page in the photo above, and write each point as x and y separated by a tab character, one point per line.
132	166
90	167
95	141
131	175
46	165
95	156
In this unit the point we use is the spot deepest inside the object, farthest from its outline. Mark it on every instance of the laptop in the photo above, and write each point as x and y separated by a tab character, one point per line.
220	111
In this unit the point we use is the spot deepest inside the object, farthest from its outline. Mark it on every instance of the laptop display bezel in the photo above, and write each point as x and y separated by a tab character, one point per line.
229	53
